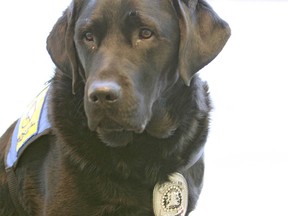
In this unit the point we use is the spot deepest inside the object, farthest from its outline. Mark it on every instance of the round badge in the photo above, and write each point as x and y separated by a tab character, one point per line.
171	198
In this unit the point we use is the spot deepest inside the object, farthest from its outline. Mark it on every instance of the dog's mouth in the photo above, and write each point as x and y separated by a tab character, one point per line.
115	134
108	125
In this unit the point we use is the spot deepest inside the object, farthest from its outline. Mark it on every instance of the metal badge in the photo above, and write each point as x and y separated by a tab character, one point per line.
171	198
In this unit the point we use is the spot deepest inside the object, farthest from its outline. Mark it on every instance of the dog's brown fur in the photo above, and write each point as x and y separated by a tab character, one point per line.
108	148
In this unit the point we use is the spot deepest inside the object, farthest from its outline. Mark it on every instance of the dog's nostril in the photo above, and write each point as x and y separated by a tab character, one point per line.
104	92
111	97
93	98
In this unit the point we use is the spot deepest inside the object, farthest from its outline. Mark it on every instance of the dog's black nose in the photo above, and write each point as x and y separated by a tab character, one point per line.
104	92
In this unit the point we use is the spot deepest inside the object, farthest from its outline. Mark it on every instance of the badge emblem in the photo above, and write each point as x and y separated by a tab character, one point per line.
171	198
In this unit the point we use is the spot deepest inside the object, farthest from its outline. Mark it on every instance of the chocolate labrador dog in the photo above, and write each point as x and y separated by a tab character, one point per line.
121	128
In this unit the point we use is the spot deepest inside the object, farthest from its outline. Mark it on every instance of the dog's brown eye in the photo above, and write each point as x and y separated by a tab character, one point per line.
89	37
145	33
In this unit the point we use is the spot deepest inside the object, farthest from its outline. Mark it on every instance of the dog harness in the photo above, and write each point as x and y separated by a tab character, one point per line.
32	125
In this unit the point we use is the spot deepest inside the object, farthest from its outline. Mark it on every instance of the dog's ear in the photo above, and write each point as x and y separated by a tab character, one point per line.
203	34
60	43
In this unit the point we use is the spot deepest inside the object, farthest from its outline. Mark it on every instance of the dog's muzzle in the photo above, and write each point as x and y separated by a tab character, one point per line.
113	112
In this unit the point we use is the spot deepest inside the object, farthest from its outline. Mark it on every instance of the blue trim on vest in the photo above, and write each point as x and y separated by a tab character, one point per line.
44	124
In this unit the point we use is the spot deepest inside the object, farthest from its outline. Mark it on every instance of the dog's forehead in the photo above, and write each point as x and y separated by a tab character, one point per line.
117	9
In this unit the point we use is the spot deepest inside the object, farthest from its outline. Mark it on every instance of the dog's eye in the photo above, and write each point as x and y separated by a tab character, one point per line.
89	37
145	33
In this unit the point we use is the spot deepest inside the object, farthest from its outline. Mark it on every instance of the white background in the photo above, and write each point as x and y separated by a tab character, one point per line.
246	154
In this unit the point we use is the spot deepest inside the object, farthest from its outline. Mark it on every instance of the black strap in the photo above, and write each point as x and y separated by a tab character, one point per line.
13	189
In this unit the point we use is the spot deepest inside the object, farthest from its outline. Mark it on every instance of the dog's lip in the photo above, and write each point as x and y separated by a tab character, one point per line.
120	129
108	126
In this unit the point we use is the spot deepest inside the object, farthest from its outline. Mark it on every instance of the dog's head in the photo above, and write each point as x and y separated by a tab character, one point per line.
129	52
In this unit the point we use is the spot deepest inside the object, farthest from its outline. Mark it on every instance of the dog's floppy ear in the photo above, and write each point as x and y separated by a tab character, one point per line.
203	34
60	43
